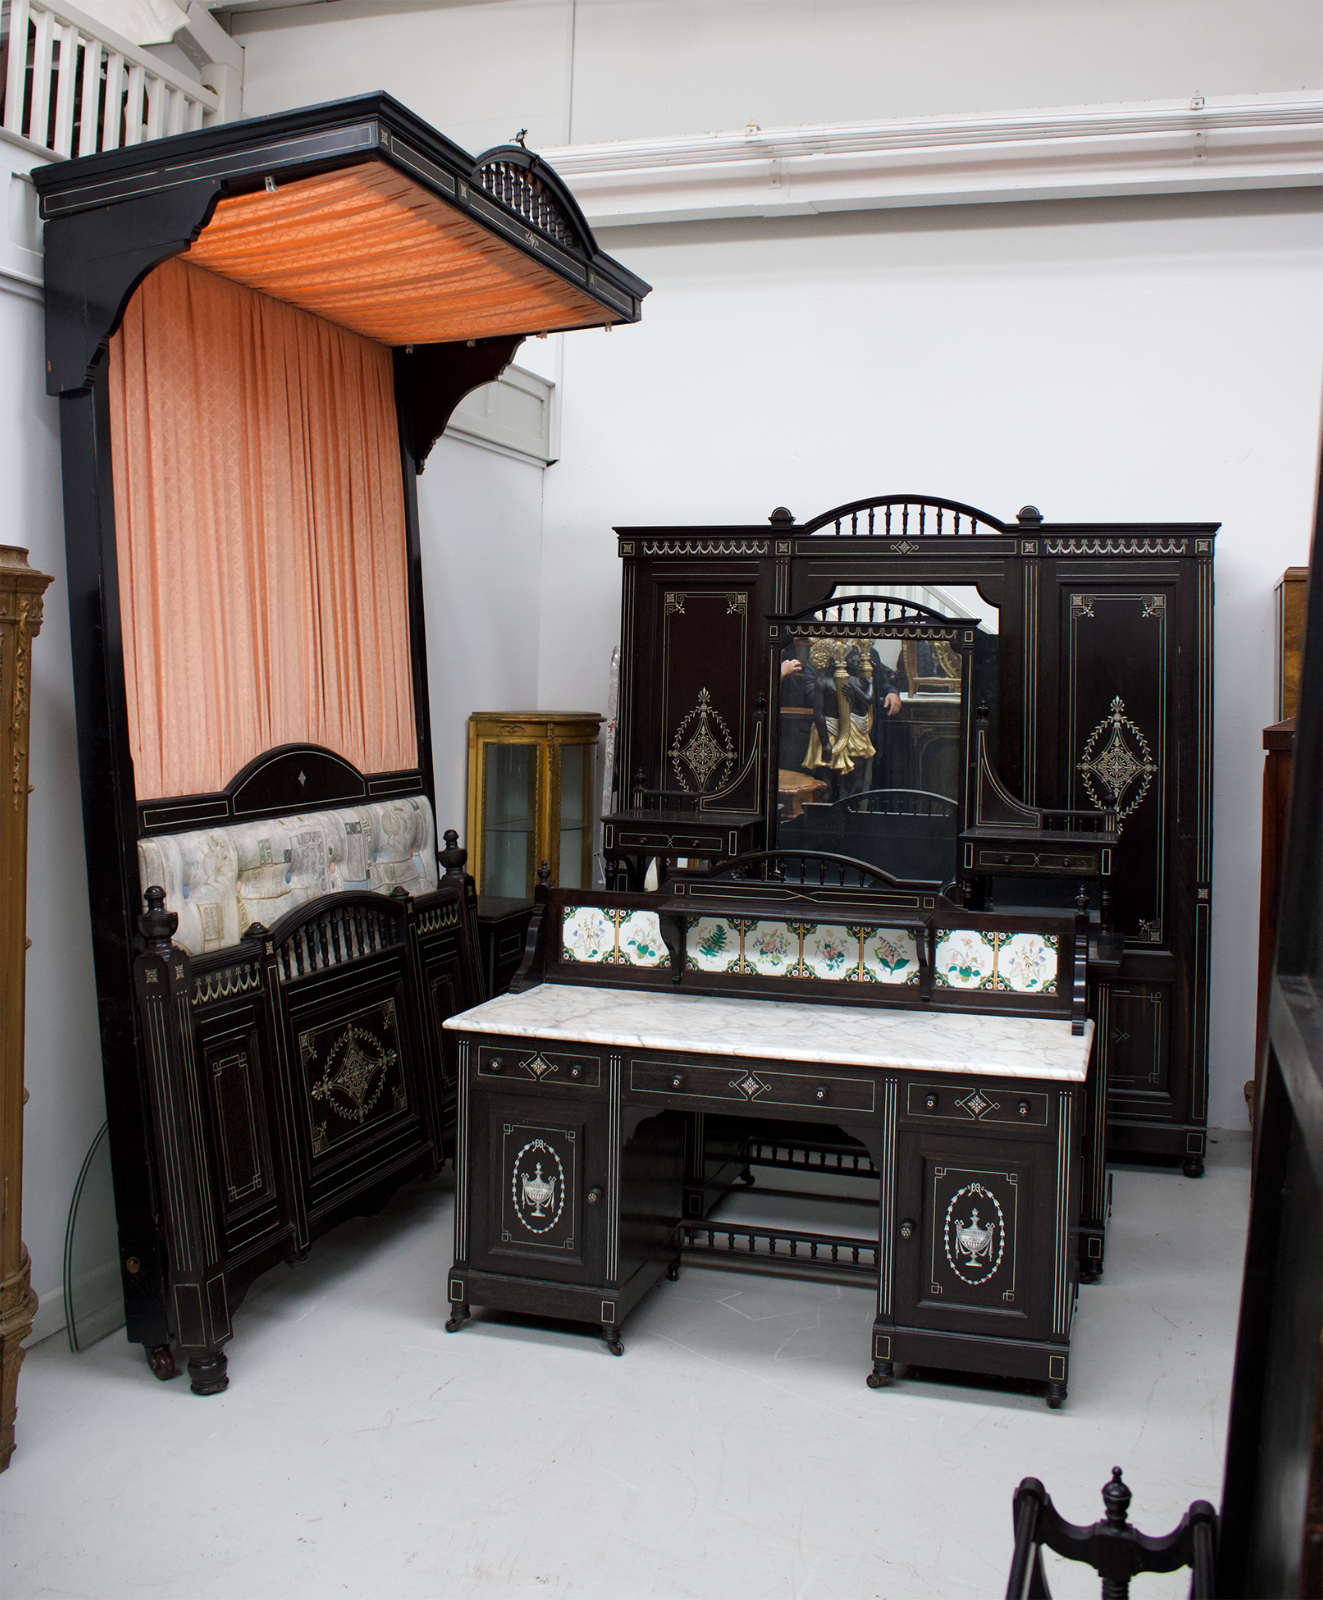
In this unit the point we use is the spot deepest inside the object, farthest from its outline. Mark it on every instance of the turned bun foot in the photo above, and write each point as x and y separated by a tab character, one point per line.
1193	1167
614	1343
207	1374
459	1315
673	1271
883	1372
1056	1393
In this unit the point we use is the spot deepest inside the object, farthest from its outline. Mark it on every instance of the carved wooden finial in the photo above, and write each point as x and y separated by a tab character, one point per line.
1082	901
983	711
544	875
1029	516
156	924
1116	1497
454	856
782	514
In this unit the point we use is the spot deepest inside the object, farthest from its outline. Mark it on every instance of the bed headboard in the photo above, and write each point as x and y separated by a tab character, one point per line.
219	881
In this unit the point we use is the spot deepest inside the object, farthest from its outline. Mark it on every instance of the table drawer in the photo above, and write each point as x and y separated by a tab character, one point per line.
972	1105
740	1084
715	841
528	1062
1083	861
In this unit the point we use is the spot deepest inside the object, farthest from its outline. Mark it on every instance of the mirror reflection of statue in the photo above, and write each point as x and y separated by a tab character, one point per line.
841	740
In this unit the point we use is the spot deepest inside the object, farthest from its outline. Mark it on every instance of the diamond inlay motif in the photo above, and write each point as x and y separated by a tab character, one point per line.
1115	757
750	1085
703	744
538	1065
977	1103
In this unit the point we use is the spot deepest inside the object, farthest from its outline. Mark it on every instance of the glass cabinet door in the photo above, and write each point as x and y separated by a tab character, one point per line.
531	799
509	822
576	826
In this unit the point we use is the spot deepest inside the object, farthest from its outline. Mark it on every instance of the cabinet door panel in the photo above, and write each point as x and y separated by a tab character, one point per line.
1119	683
538	1186
1134	1034
981	1254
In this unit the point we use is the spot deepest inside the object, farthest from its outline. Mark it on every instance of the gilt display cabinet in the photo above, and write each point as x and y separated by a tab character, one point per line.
1094	666
531	788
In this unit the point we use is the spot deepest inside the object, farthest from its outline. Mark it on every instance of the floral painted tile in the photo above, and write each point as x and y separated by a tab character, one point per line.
713	944
641	943
966	959
586	935
772	948
1027	963
890	955
830	951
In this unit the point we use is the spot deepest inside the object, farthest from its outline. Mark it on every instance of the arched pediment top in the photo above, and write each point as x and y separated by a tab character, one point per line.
912	516
524	183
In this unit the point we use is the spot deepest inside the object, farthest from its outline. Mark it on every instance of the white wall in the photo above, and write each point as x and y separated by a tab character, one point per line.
63	1047
481	519
480	71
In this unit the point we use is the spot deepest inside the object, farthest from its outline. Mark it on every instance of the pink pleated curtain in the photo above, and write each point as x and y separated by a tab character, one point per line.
259	513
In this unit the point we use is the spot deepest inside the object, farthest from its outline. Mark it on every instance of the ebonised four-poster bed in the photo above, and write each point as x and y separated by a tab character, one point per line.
257	332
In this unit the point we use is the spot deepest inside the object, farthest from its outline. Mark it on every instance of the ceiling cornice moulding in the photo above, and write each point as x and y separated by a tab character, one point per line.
1145	147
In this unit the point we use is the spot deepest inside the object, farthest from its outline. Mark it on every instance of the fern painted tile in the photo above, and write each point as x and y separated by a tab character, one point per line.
713	944
890	955
830	951
641	943
1027	963
587	935
965	959
771	948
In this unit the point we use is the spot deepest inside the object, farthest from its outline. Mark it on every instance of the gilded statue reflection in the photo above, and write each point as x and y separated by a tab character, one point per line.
846	690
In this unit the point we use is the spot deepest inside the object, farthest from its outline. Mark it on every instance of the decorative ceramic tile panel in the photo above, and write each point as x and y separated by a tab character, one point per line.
587	934
966	959
830	951
640	942
890	956
1027	963
713	944
772	948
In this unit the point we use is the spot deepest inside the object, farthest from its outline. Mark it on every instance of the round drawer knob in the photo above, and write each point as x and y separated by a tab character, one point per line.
677	1080
576	1072
1023	1108
495	1064
820	1093
594	1195
907	1229
930	1101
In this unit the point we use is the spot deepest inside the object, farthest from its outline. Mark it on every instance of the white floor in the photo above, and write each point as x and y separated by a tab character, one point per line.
733	1452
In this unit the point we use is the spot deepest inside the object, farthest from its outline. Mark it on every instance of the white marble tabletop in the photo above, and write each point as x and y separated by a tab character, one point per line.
856	1036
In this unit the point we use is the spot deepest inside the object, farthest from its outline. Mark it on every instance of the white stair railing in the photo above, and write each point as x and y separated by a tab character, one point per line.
75	88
